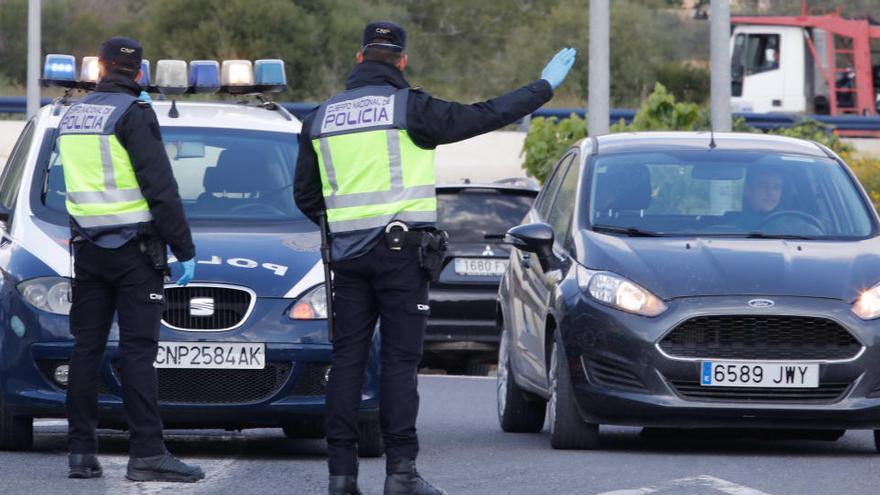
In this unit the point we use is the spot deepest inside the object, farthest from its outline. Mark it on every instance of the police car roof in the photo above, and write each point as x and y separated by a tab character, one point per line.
221	115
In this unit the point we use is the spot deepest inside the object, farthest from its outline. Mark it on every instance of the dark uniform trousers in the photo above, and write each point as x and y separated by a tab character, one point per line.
389	285
115	281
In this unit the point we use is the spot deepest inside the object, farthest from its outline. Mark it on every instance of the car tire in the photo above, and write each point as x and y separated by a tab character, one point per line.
16	432
476	367
309	427
370	442
567	429
516	412
877	440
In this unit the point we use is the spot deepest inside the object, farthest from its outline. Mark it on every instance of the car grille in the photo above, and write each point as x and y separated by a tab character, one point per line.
760	337
825	393
219	386
230	307
310	379
611	373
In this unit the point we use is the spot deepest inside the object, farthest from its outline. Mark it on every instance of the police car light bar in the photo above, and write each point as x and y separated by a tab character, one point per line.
204	76
89	70
237	76
171	77
269	75
144	80
175	77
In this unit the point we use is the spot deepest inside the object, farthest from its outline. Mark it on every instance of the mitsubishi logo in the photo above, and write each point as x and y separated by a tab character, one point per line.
201	306
488	251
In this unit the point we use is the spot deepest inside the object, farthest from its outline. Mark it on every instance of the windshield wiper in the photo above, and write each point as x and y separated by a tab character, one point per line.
757	234
630	231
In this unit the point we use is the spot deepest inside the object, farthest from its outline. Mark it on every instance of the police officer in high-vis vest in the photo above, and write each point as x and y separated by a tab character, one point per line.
124	208
366	161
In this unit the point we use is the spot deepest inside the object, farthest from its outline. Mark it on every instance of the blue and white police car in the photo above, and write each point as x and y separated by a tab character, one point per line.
243	345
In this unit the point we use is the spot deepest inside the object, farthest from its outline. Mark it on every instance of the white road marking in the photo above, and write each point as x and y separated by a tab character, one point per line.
466	377
702	481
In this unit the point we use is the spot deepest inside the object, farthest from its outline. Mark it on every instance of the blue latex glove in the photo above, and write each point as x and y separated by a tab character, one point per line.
189	271
144	96
556	70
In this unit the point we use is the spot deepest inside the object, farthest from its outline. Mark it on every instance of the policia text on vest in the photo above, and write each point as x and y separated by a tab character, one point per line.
367	161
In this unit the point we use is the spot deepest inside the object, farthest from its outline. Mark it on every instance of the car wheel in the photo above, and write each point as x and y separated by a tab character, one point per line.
370	438
16	432
567	429
877	440
516	413
309	427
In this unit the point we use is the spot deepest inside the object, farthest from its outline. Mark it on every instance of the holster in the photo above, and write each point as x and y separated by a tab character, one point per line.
153	247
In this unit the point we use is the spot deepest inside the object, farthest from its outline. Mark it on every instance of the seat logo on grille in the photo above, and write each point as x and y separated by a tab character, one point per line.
761	303
201	306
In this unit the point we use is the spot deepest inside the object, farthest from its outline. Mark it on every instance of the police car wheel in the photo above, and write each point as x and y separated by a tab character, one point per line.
370	442
16	432
309	427
517	412
567	429
877	440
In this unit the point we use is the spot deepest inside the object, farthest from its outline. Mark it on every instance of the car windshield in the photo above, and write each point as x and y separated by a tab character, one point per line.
726	193
473	216
222	174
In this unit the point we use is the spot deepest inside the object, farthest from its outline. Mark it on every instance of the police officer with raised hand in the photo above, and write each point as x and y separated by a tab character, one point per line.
124	208
367	162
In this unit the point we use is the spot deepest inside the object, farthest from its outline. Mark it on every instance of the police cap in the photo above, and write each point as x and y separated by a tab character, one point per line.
386	35
122	53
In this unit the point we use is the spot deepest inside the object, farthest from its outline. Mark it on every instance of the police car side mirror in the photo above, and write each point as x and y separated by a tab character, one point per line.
534	238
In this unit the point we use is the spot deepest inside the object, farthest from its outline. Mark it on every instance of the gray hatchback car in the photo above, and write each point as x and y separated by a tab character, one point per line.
673	280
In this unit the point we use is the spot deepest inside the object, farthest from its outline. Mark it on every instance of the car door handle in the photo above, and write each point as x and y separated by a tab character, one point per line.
525	261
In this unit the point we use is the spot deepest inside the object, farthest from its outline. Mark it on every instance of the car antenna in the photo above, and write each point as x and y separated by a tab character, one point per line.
712	144
173	113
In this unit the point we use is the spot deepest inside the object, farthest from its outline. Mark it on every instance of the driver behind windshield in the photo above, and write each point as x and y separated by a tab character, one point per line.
762	197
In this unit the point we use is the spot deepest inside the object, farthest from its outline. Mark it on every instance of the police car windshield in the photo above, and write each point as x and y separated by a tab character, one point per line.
222	174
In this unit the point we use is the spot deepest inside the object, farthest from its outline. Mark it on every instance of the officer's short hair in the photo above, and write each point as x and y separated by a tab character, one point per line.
380	54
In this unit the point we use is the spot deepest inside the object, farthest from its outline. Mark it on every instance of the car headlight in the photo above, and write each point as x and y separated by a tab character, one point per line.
616	291
48	294
867	306
311	306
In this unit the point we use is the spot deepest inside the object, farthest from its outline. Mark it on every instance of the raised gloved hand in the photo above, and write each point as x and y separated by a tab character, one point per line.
556	70
144	96
189	271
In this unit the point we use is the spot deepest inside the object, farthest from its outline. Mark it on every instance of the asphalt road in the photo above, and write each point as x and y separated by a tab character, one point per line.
465	452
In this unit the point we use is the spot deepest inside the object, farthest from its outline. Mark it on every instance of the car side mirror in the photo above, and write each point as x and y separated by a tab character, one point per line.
534	238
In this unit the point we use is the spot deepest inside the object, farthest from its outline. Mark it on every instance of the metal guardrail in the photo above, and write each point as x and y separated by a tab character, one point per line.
764	121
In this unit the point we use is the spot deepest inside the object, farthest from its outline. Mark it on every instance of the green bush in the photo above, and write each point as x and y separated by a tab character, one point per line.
547	140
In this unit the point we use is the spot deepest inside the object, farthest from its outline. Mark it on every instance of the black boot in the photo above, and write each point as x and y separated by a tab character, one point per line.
163	467
343	485
84	466
403	479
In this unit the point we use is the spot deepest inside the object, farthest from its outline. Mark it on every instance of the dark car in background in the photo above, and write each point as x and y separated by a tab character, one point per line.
679	280
462	332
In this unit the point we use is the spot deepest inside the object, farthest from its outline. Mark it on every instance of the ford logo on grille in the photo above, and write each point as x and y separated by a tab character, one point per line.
761	303
201	306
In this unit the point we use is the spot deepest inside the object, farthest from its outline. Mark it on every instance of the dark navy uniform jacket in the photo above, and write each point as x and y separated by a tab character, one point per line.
430	122
138	132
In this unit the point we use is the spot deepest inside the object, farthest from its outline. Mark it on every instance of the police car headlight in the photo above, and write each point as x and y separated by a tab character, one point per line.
616	291
867	306
311	306
48	294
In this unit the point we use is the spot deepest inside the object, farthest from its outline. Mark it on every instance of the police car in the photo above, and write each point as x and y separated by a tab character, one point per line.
243	345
